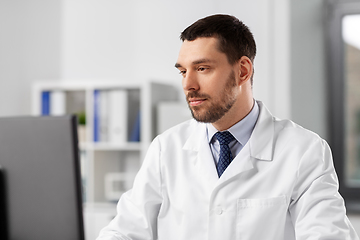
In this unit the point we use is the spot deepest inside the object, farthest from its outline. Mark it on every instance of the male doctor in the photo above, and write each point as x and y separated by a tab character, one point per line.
236	171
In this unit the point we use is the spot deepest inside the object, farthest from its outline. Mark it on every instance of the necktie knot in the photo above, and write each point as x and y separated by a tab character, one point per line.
224	137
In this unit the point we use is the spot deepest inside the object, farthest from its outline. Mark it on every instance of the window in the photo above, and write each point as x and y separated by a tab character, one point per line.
343	19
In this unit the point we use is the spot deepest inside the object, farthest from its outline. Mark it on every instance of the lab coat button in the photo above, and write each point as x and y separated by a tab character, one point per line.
219	211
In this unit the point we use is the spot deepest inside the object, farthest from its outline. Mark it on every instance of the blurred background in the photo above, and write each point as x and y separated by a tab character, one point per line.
57	41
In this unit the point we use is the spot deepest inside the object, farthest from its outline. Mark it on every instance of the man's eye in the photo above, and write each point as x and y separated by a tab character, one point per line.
201	69
182	72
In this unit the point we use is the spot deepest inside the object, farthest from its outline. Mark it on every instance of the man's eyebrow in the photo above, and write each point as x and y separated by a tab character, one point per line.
203	60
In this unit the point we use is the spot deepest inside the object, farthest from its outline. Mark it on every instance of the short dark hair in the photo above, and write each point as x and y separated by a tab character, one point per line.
235	38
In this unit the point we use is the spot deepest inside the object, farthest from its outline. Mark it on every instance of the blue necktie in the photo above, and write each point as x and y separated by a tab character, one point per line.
225	156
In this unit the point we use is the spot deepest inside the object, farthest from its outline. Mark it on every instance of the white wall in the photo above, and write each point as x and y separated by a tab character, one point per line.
29	50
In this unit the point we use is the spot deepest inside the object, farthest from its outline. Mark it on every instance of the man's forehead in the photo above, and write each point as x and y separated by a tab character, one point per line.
200	50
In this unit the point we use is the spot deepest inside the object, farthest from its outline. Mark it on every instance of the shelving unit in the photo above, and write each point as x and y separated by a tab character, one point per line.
103	161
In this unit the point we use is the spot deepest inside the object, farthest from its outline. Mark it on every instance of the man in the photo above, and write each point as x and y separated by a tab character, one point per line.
236	172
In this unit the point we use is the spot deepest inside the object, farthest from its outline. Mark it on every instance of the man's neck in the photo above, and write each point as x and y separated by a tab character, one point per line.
239	111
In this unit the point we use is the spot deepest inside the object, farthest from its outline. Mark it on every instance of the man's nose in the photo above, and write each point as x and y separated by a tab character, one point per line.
190	82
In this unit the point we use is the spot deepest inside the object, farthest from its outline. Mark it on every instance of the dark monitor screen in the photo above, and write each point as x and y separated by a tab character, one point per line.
40	179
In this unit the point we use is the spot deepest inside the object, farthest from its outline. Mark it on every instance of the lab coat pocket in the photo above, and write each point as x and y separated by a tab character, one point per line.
261	218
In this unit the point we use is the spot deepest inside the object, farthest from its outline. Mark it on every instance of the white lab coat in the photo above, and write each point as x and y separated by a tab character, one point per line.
281	186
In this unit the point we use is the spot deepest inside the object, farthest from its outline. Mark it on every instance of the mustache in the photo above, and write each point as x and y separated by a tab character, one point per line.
196	95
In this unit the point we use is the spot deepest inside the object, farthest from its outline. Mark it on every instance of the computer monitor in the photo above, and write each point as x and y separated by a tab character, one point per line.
40	179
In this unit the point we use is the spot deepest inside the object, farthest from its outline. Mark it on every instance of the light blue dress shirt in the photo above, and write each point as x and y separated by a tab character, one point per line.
241	131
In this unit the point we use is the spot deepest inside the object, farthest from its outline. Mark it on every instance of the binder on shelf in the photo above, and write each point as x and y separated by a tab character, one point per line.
103	115
53	103
110	116
135	133
96	116
57	103
45	103
118	115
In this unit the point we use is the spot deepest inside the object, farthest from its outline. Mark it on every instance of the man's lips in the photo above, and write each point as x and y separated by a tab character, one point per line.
196	102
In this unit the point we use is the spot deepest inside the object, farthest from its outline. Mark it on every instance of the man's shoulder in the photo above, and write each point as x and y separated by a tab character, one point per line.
285	127
295	132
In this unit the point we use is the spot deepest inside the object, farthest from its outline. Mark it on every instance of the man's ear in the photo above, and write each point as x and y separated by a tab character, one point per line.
245	69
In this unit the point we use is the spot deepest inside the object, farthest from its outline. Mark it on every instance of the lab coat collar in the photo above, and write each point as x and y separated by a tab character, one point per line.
260	142
262	139
197	137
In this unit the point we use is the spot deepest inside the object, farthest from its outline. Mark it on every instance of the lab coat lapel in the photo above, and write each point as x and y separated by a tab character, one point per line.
203	159
258	148
241	163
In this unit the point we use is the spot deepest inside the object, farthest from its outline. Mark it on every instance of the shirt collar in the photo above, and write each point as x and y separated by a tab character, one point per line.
241	130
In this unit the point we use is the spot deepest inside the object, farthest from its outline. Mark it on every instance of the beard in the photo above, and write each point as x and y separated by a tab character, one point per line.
218	108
